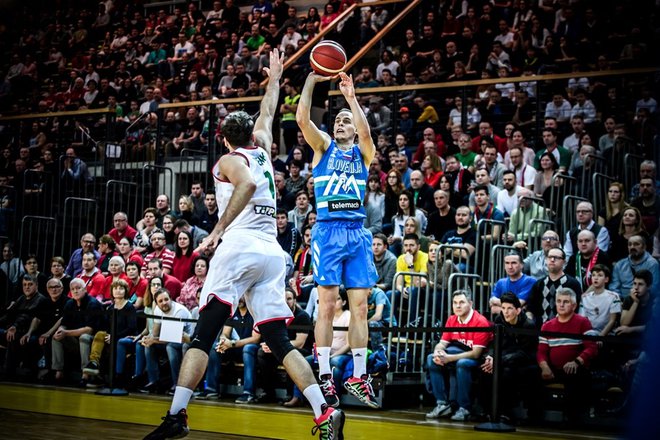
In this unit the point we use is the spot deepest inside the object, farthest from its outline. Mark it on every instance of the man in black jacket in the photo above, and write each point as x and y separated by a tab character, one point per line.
519	369
18	326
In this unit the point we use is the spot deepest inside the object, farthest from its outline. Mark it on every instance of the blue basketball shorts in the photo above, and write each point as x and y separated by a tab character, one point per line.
342	254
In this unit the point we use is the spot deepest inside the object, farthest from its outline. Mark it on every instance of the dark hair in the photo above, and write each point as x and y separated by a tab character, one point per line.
177	248
509	172
298	163
510	298
411	237
552	131
481	188
602	268
514	254
160	291
157	261
645	275
133	263
281	211
553	159
237	128
29	278
411	204
381	237
194	262
181	224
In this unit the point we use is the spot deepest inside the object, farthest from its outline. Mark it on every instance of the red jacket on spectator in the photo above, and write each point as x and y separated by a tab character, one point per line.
183	269
107	293
116	235
172	285
137	289
418	157
93	284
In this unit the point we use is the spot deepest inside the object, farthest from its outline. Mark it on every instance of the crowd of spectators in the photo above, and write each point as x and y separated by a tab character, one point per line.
434	177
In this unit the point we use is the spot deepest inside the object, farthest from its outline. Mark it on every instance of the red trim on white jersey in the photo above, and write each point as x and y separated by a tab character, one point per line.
231	306
233	153
287	323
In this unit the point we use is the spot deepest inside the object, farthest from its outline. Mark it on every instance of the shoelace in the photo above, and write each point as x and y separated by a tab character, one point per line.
323	427
328	387
365	387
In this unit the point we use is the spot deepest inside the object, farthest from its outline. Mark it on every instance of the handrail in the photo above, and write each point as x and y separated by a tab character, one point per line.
52	114
385	30
210	102
318	37
517	79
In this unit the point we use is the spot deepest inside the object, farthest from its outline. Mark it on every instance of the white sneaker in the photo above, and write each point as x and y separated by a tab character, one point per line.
461	415
442	409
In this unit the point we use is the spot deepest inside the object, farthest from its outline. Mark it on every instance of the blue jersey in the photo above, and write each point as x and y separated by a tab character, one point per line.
340	180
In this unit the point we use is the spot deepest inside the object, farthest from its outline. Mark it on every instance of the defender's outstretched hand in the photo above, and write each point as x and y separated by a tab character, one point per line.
276	68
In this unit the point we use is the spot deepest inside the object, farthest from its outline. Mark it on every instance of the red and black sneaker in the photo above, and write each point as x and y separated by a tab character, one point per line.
330	424
362	390
329	391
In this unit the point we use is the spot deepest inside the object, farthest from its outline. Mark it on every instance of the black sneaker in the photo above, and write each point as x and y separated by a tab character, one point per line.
92	368
173	426
329	391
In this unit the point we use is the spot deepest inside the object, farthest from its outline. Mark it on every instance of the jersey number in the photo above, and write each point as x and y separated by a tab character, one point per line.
271	183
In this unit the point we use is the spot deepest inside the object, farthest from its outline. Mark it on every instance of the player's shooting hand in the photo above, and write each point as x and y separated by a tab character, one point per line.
346	85
211	242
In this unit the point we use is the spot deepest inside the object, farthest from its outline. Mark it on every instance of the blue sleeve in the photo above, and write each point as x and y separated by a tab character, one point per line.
615	284
379	298
526	290
497	290
498	215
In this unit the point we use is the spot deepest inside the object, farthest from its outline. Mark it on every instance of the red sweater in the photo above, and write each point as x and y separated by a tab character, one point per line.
558	351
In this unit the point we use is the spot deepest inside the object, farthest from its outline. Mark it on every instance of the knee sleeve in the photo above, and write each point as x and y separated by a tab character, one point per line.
275	335
211	320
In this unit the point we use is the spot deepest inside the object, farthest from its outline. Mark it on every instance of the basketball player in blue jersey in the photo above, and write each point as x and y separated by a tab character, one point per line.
248	262
341	246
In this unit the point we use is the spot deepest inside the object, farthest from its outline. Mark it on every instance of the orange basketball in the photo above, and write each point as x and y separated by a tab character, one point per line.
328	58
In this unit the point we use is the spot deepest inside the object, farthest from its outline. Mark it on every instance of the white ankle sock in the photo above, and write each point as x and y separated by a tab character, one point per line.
359	362
323	354
315	398
180	400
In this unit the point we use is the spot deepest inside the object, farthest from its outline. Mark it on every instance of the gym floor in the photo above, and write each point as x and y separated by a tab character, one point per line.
29	412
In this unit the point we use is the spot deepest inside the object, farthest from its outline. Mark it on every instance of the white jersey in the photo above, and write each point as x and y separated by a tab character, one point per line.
259	214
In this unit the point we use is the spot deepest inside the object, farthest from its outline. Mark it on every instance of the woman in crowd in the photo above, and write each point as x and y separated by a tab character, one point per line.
116	268
412	226
631	224
168	230
543	178
187	210
393	188
136	284
432	169
126	327
339	349
107	249
309	189
445	184
57	267
132	343
128	253
184	255
405	211
310	219
297	153
329	16
188	296
374	204
312	17
610	215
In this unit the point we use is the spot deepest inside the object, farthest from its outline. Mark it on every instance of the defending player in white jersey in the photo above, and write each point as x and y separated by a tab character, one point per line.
248	261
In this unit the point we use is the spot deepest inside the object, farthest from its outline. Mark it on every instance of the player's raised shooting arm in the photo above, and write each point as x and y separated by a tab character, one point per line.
365	142
316	139
263	134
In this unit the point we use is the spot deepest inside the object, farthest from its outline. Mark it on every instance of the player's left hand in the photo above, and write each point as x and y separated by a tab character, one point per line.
211	242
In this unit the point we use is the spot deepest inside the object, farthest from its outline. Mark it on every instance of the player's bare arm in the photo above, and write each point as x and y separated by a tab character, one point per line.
263	136
234	169
365	142
318	140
